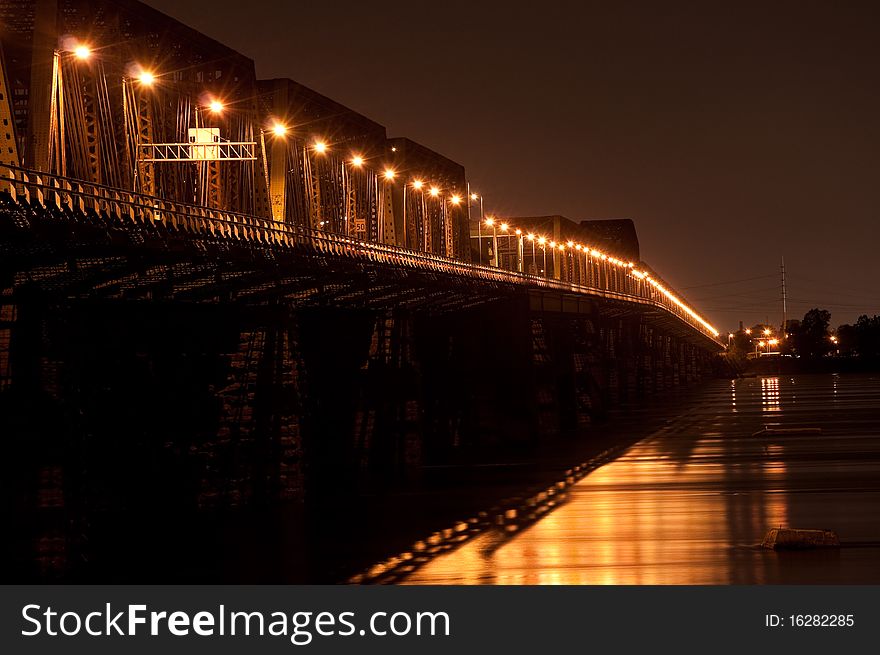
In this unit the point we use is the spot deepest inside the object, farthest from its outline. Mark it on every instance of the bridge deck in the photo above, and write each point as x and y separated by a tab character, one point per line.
74	218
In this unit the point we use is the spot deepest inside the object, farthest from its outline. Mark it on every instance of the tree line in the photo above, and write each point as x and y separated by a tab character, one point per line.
810	337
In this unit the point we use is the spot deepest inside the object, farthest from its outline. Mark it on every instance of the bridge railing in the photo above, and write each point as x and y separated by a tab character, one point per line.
84	200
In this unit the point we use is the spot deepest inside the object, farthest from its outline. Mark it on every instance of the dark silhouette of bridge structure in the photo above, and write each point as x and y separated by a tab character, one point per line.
251	314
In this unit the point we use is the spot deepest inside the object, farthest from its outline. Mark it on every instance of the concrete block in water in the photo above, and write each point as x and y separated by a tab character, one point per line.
793	539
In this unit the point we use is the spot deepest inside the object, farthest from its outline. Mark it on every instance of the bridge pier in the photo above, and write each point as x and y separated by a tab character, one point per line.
145	413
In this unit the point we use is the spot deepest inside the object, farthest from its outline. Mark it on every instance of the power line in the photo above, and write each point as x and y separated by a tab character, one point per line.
718	284
739	294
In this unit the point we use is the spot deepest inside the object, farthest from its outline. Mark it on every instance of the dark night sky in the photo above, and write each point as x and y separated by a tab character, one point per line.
732	133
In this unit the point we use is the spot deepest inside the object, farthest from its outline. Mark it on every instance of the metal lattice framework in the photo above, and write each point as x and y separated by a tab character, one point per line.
83	201
197	152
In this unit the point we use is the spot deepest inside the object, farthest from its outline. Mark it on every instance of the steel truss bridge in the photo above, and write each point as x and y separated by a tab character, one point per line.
94	241
306	323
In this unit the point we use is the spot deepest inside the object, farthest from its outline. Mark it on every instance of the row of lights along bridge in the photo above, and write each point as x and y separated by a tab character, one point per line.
148	78
216	106
590	256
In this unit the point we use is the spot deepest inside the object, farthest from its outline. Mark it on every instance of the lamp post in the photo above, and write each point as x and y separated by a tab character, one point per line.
434	193
519	250
276	196
531	237
561	248
387	178
506	229
473	198
541	242
455	199
417	186
570	245
357	161
490	221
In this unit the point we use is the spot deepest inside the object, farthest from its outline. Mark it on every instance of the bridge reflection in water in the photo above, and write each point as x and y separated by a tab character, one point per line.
689	504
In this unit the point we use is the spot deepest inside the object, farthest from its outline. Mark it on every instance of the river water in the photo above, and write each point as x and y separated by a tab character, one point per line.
691	503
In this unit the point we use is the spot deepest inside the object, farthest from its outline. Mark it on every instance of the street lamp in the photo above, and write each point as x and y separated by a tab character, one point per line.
474	197
417	185
541	242
519	250
280	131
531	237
504	228
561	248
357	161
490	221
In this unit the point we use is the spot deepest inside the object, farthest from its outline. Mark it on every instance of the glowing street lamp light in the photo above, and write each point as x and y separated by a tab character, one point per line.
418	185
490	221
320	147
279	130
216	107
474	196
389	174
506	229
531	237
455	200
541	242
435	191
82	52
147	78
519	249
357	160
